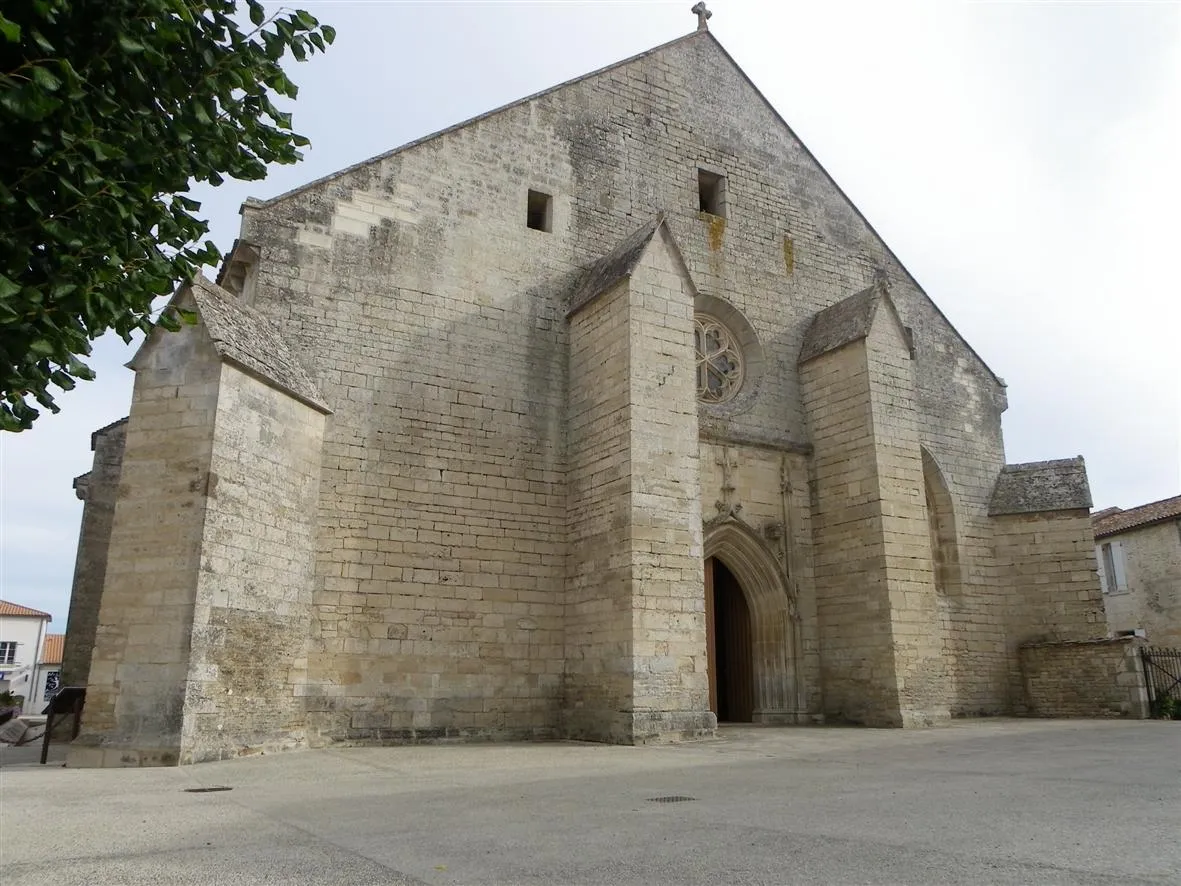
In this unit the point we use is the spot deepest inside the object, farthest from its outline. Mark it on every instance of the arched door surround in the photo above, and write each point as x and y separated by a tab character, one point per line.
774	625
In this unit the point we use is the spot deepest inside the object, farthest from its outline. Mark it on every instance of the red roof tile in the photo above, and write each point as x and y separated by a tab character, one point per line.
16	609
1112	520
52	652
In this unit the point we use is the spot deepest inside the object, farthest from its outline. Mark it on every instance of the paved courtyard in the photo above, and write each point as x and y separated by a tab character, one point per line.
996	801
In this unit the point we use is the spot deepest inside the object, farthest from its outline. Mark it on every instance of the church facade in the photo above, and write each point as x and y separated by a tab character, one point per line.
604	415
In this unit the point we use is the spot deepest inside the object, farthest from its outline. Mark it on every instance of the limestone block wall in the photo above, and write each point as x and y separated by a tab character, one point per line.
920	646
140	665
599	648
1088	678
1047	561
972	605
769	488
959	404
99	490
636	667
429	315
1050	561
253	606
883	650
1152	600
857	665
972	611
426	311
671	693
615	149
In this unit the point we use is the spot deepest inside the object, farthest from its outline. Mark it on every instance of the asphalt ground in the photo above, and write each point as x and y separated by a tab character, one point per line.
989	801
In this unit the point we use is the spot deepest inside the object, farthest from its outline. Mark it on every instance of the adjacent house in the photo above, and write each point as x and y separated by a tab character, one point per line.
604	415
1139	554
22	638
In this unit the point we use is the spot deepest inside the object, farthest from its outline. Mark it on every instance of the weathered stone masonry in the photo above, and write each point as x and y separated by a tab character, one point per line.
436	465
98	489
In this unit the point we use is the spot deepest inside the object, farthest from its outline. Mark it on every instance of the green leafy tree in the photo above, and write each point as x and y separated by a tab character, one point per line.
109	110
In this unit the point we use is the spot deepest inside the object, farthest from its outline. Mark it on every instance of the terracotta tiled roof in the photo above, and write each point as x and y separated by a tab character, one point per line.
1106	512
16	609
1113	520
52	652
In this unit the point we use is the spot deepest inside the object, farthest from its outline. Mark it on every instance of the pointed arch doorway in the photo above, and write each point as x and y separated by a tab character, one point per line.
752	630
729	645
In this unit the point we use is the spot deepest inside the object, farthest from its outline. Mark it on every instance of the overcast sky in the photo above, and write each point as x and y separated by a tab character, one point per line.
1021	159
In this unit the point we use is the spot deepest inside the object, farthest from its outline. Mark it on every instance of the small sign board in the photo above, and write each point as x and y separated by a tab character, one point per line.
65	700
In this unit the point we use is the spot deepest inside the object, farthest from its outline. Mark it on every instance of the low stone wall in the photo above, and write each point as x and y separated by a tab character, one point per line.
1085	678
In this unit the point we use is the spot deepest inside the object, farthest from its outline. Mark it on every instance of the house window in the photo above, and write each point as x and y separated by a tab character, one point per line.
711	192
1113	567
539	213
53	680
7	653
719	361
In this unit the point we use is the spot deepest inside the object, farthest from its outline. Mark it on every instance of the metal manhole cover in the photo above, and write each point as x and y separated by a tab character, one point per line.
208	790
673	799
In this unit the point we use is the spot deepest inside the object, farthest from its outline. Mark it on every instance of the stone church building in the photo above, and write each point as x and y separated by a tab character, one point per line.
604	415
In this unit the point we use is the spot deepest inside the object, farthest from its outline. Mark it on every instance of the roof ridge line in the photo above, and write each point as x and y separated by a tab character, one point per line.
857	211
476	119
27	611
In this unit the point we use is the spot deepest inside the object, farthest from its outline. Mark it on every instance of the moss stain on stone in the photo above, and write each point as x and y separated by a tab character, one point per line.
717	229
789	254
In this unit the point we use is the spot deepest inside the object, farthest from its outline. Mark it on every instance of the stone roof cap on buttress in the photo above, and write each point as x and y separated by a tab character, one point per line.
243	336
847	321
247	339
1040	486
106	429
613	267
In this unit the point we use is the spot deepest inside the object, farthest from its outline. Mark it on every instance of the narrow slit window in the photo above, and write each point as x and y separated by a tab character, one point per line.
540	211
711	193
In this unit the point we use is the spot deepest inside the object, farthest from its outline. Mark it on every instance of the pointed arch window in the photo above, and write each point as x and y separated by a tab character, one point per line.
945	553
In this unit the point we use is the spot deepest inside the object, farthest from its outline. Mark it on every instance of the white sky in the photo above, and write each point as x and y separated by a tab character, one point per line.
1021	159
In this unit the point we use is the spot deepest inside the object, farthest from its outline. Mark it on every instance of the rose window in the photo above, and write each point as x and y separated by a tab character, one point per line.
719	362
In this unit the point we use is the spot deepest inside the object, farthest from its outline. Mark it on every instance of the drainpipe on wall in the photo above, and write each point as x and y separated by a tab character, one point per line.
30	705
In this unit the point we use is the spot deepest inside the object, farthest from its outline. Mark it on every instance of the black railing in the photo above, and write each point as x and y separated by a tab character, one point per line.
1162	675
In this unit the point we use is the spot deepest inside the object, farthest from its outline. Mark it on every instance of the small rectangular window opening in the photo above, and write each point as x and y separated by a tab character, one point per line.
540	211
711	192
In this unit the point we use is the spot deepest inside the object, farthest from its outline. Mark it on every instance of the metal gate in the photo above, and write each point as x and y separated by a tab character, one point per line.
1162	676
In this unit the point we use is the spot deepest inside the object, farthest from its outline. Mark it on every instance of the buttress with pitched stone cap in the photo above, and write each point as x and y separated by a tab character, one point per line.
604	415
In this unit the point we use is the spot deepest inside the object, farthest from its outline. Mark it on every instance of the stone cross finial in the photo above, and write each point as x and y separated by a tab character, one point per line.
703	16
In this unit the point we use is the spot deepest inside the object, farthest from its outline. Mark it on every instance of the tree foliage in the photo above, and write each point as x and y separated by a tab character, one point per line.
109	110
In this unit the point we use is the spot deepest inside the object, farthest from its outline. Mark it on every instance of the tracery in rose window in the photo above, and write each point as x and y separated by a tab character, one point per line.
719	361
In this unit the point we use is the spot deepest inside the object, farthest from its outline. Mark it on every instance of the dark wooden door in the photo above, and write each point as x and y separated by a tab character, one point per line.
730	645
